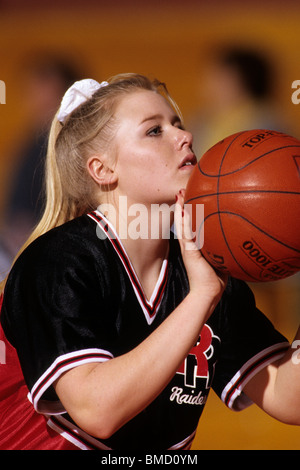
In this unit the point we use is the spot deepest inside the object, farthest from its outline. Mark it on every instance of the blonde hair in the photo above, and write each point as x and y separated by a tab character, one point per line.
69	188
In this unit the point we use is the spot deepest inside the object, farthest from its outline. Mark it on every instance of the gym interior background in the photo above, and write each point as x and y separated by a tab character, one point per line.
173	41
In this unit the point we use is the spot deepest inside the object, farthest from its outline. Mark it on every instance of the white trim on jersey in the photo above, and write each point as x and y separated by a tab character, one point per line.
185	444
149	307
84	441
74	434
60	365
232	394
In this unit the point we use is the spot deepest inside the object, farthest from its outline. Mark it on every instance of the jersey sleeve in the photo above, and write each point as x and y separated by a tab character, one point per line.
54	313
249	343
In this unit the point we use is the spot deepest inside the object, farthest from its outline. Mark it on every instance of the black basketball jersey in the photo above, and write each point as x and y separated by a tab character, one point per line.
73	298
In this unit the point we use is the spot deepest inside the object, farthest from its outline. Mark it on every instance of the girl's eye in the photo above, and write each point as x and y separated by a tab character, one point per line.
179	125
154	131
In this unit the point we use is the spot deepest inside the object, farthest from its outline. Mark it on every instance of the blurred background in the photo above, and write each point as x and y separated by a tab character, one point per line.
230	66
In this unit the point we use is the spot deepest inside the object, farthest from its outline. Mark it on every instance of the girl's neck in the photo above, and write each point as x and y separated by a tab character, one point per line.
145	234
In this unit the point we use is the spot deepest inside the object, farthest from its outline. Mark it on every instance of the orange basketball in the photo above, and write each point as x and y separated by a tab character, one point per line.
249	184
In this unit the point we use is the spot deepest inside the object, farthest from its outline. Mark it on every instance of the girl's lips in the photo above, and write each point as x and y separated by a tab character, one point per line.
188	161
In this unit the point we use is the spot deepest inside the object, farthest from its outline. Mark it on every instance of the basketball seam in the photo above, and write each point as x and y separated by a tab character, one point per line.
250	191
247	164
218	202
251	223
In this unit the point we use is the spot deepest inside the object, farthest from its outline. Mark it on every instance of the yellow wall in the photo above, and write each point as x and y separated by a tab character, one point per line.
169	42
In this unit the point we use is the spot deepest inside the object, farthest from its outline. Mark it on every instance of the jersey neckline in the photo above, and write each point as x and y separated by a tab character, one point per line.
149	306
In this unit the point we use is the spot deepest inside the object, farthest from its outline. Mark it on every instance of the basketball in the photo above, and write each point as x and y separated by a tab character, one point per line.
249	184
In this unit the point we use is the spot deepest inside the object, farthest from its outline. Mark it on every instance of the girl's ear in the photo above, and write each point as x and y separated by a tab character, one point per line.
100	172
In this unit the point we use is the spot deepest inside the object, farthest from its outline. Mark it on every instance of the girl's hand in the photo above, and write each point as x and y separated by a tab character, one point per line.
203	279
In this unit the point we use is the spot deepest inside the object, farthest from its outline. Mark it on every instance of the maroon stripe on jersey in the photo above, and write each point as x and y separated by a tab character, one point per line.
187	444
160	291
120	252
124	258
251	369
65	362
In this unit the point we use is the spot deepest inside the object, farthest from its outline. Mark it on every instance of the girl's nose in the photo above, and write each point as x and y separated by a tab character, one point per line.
183	138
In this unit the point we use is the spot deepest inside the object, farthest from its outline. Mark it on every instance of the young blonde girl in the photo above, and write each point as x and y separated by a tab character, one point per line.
117	340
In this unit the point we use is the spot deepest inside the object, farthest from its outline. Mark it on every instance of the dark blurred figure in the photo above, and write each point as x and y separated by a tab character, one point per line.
46	79
237	92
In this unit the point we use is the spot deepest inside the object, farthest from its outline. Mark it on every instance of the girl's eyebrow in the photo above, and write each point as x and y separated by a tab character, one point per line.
175	119
152	118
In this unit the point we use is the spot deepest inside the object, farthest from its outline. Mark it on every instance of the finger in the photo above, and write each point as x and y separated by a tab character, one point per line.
178	215
182	221
187	235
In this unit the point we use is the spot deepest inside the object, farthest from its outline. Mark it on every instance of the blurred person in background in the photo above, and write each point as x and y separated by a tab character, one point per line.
47	77
237	93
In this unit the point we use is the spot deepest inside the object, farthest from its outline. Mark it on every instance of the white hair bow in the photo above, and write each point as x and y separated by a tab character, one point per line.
77	94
